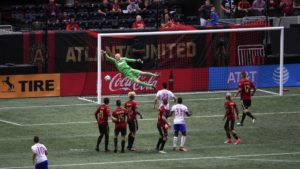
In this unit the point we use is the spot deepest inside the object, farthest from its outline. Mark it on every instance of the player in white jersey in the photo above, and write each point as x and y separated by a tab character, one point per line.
180	111
164	94
40	153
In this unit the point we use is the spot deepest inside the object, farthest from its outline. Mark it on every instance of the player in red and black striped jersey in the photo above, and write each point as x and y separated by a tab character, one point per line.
231	110
101	115
162	126
119	117
246	90
132	109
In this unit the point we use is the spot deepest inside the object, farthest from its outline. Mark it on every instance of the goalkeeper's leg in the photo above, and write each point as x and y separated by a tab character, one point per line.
137	73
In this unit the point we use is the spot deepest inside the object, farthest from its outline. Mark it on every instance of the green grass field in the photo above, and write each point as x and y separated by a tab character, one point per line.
67	127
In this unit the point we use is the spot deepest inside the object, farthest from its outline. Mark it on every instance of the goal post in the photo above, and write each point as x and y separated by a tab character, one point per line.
101	43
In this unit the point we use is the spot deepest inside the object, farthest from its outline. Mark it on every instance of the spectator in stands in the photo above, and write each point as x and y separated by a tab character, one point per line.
133	7
52	11
228	7
145	5
116	6
72	25
296	6
65	18
286	7
105	7
138	23
165	19
244	8
258	7
213	16
52	8
204	12
273	8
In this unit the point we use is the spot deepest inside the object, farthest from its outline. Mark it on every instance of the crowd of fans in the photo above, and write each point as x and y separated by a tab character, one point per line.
141	14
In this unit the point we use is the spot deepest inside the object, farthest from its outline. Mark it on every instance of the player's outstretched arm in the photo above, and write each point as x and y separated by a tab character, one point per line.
188	113
109	58
130	60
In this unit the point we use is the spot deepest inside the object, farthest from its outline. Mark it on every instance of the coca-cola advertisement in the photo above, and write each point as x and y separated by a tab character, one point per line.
180	80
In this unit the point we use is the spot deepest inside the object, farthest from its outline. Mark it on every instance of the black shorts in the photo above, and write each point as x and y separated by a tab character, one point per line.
229	124
246	104
133	125
162	131
103	128
120	130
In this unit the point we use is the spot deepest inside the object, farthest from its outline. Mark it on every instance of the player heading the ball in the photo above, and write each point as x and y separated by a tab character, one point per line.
127	71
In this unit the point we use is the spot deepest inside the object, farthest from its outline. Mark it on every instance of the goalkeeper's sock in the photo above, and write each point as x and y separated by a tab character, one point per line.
145	84
150	74
175	141
183	138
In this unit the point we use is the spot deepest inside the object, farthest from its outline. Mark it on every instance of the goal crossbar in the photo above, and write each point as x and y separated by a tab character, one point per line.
101	35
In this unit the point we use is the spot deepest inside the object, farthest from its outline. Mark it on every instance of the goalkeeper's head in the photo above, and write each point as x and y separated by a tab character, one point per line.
117	56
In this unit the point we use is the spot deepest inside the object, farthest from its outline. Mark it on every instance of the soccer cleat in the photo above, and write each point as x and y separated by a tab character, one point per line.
228	141
131	149
174	148
115	151
182	149
237	141
239	124
97	149
162	152
107	150
253	120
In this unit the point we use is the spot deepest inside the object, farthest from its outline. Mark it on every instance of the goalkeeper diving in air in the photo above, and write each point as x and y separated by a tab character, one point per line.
127	71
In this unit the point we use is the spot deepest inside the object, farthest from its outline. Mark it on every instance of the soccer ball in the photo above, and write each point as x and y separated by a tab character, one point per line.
107	78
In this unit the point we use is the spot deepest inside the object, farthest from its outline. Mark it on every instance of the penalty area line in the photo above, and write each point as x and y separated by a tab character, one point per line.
152	119
159	160
10	122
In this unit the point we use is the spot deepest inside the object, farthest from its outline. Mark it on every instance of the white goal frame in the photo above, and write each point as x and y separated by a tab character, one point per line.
101	35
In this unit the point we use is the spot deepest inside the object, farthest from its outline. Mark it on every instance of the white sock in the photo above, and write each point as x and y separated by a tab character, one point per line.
175	141
182	141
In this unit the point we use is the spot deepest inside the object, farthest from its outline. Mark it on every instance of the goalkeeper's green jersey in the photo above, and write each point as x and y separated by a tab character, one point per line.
121	64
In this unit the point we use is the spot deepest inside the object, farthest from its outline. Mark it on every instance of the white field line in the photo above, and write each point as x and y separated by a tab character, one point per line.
159	160
152	119
263	160
88	104
269	92
9	122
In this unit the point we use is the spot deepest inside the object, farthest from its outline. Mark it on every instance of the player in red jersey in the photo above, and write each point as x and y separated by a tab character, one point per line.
231	109
119	117
162	126
132	109
101	115
246	90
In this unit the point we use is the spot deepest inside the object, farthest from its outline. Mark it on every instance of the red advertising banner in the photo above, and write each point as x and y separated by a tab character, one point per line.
180	80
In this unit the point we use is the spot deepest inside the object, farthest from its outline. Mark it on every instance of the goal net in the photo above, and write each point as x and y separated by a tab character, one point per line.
192	61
